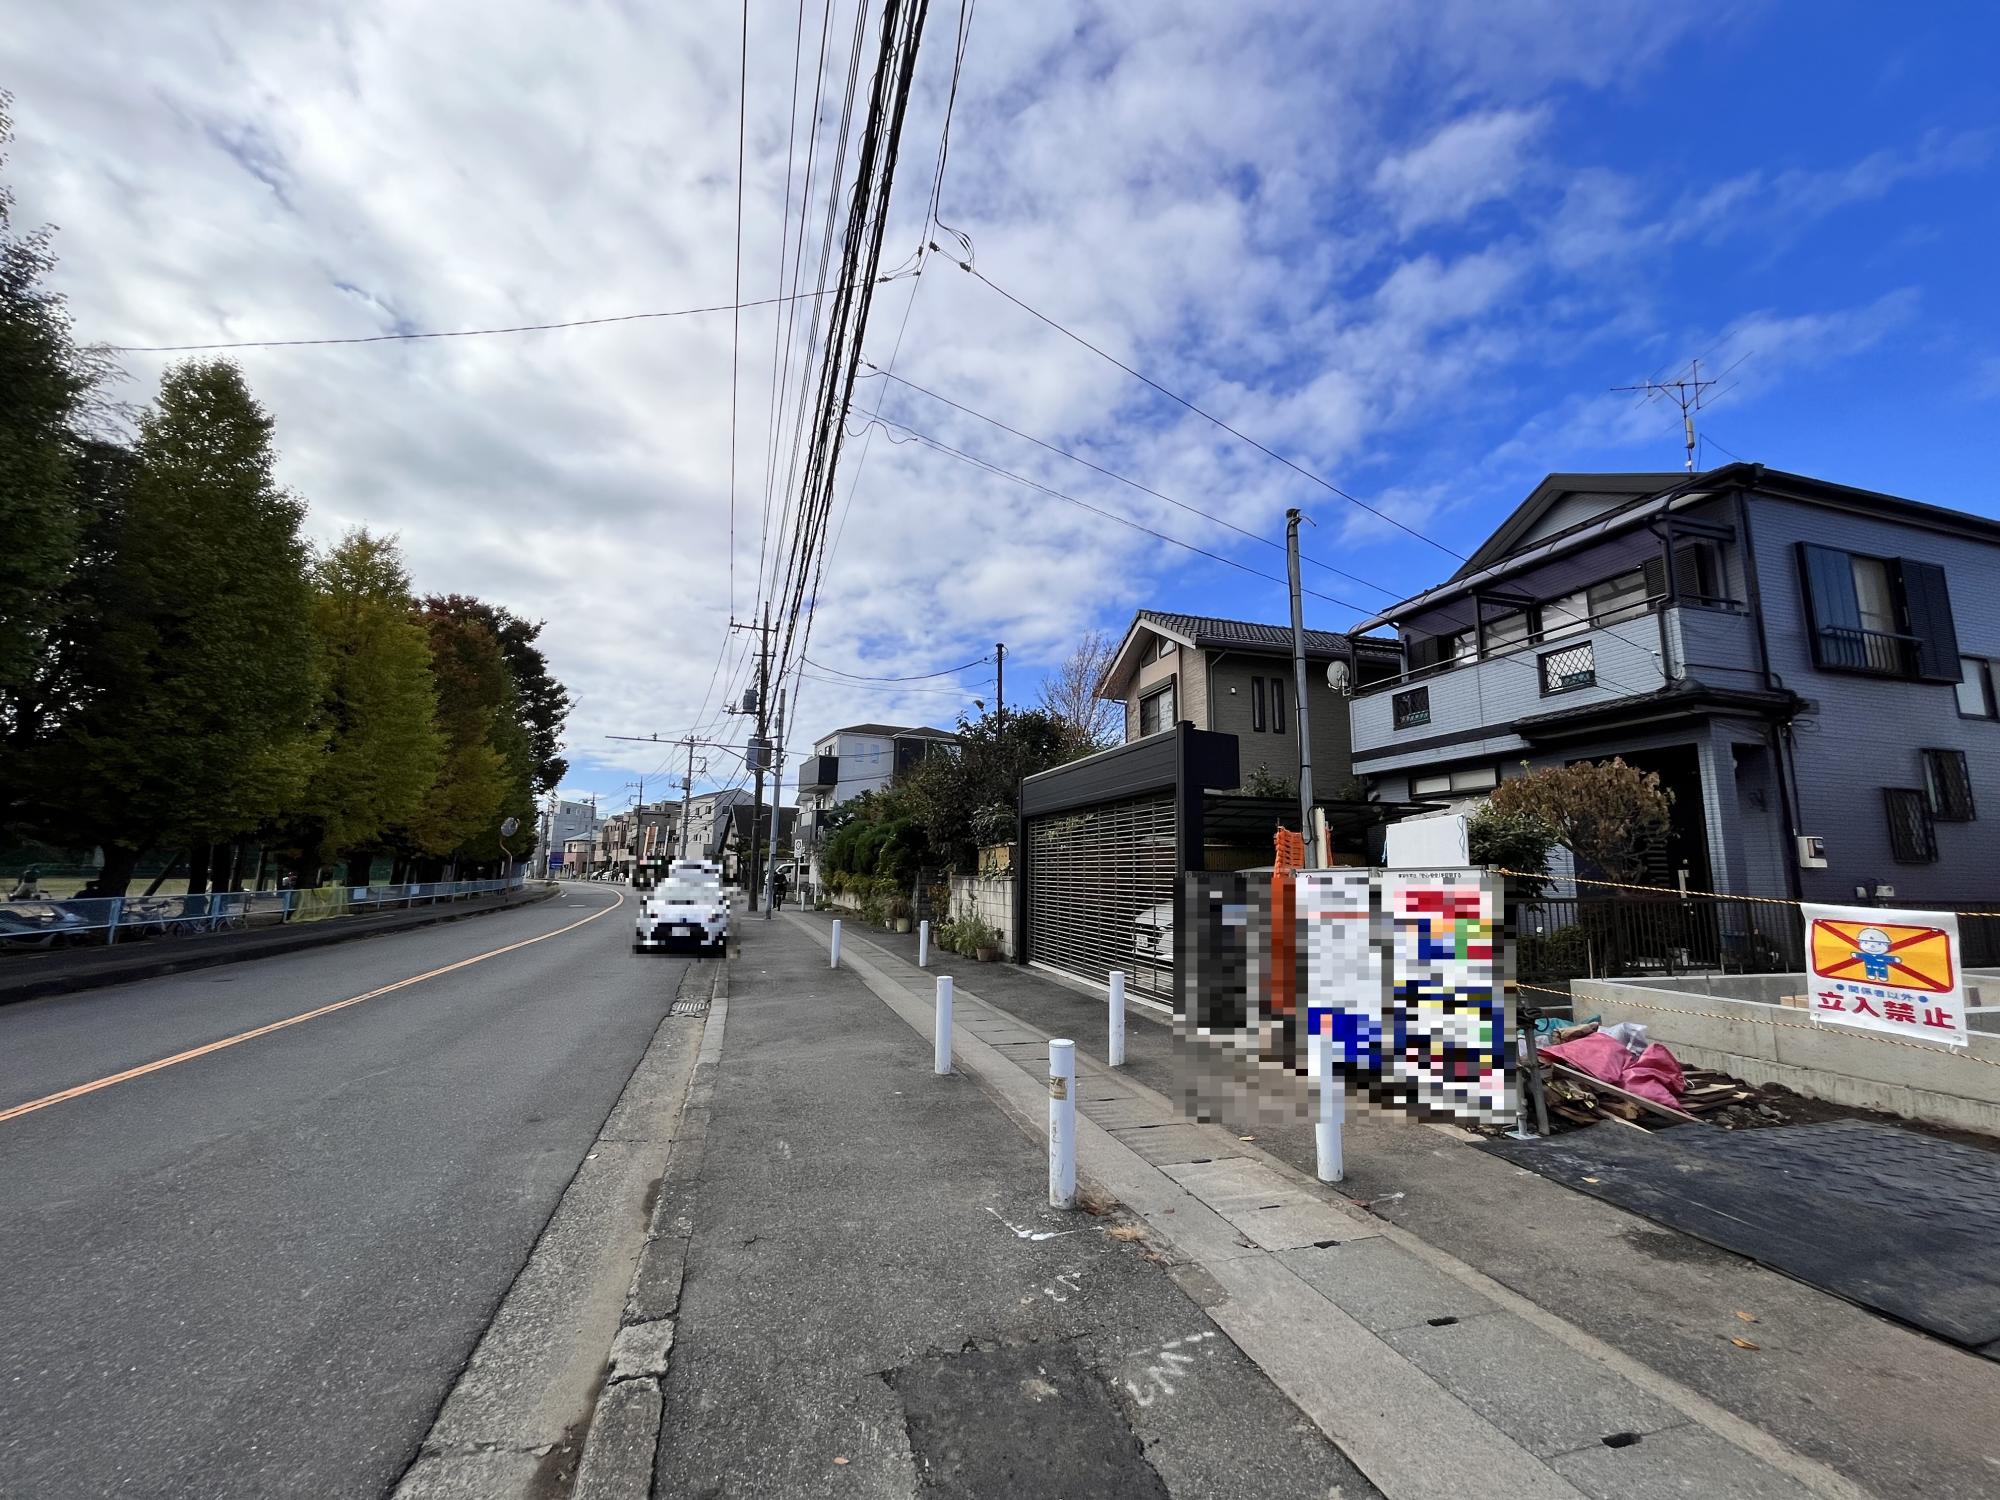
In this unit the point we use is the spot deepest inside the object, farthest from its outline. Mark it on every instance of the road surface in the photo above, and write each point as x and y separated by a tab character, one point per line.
255	1268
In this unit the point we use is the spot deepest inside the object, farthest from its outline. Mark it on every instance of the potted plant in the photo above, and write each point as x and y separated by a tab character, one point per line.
986	946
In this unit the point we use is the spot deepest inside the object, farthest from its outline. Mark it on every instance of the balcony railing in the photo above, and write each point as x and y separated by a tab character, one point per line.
1881	652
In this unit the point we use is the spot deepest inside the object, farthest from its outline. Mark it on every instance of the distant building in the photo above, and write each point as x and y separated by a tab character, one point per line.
844	763
564	822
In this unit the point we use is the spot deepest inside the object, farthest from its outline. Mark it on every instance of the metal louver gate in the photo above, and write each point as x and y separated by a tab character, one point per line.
1101	891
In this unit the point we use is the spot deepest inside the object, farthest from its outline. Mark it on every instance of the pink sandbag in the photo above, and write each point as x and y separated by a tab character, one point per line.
1656	1074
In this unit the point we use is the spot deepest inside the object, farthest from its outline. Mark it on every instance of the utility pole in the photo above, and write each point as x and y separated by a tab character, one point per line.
638	823
759	749
1000	681
687	793
1292	519
777	798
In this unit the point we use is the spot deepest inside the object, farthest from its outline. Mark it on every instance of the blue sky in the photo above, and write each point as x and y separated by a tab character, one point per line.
1410	245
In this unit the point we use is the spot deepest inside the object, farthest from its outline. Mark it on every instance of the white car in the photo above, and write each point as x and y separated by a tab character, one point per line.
687	908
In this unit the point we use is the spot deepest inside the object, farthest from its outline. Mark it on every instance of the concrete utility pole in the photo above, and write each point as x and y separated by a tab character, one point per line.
687	792
1000	680
759	750
777	797
638	824
1292	519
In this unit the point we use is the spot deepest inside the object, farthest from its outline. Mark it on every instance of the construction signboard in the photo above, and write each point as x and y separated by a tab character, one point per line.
1895	972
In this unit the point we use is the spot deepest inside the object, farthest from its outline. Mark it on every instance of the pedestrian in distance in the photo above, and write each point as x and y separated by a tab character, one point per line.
778	884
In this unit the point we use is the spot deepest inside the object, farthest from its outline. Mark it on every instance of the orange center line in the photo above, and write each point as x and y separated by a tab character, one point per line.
311	1015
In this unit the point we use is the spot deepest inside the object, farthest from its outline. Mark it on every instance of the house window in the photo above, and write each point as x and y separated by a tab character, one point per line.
1566	615
1570	668
1166	648
1156	711
1621	597
1465	779
1411	707
1948	784
1912	837
1257	704
1503	631
1975	688
1278	704
1886	617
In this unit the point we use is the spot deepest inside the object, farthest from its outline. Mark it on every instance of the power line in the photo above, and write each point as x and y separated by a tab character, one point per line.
736	313
890	687
1325	484
919	677
1022	479
1144	489
466	333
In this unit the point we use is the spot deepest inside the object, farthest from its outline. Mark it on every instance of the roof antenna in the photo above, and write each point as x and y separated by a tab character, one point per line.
1686	394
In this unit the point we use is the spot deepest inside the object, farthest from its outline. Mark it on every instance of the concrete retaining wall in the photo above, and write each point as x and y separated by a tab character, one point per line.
1763	1042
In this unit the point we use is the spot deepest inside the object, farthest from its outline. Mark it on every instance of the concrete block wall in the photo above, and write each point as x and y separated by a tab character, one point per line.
1762	1042
991	899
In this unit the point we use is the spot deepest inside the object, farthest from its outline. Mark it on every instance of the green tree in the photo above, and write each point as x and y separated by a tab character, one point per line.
489	759
953	786
1606	813
44	383
541	702
1518	841
377	710
192	671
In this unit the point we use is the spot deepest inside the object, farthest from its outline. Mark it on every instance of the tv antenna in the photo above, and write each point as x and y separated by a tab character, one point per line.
1686	393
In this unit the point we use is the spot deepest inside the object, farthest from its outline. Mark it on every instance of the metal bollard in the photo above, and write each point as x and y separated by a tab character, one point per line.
1062	1124
924	943
941	1035
1332	1104
836	944
1117	1048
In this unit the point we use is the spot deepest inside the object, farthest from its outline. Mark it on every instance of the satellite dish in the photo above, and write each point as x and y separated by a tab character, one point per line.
509	828
1338	674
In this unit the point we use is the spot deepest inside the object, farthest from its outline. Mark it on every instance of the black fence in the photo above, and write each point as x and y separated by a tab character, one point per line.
1627	937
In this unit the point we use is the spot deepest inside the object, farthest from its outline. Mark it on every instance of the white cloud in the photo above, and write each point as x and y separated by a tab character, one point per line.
1473	160
1213	193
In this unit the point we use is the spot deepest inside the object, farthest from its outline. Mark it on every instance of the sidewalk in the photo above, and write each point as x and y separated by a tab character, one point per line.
875	1298
28	976
1623	1327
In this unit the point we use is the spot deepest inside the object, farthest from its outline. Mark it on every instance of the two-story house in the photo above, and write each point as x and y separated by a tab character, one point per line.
1806	666
1235	677
708	818
844	763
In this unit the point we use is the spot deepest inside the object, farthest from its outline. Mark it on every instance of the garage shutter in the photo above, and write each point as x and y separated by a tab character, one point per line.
1101	891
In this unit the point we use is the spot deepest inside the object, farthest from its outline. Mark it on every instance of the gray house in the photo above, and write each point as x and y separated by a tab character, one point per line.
1807	667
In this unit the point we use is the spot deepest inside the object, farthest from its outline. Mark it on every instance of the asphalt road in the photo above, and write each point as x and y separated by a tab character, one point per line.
257	1271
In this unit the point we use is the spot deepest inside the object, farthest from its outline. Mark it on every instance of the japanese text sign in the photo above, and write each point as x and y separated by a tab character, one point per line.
1895	972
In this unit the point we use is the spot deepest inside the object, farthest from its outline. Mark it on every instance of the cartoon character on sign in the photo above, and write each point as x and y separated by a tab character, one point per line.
1872	945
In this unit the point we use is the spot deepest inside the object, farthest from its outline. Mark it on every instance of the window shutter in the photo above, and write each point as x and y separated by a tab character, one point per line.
1831	603
1656	578
1928	604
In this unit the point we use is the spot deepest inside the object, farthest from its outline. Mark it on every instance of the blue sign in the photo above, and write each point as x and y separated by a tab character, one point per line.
555	861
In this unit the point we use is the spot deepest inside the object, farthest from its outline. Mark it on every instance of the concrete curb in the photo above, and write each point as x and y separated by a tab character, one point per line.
622	1446
235	948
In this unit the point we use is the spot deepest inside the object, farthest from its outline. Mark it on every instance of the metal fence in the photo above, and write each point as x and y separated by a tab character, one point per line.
27	926
1626	937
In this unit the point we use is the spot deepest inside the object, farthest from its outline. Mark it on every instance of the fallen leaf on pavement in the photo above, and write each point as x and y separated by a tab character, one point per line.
1126	1232
1593	1179
1246	1138
1746	1317
841	1461
1745	1344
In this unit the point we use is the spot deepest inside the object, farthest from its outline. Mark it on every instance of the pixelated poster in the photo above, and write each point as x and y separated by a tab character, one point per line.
1446	1035
1889	971
1404	969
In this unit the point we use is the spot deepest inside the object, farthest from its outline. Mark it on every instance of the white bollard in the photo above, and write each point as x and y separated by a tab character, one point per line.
836	944
1062	1124
924	943
1332	1104
1117	1049
941	1033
